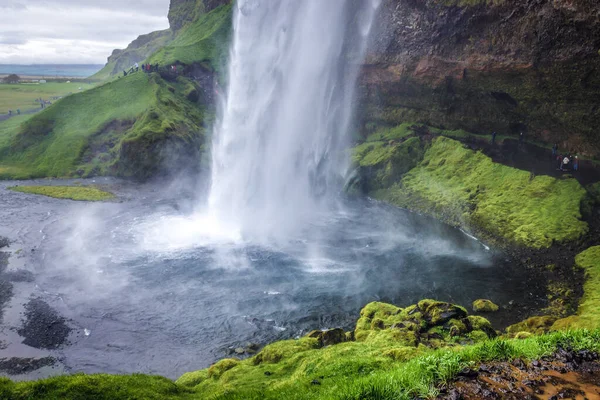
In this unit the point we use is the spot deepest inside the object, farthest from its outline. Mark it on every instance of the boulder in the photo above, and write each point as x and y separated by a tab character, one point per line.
484	305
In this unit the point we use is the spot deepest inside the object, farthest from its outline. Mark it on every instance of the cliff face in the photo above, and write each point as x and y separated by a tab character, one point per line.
507	66
182	12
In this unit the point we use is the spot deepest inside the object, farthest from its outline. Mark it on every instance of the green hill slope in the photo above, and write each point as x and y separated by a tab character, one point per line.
137	51
203	40
128	127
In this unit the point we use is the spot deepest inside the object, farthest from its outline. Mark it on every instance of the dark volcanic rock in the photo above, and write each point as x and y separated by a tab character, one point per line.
18	366
43	328
506	66
19	275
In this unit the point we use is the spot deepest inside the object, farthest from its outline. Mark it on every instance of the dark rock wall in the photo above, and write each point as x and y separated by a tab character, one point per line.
510	66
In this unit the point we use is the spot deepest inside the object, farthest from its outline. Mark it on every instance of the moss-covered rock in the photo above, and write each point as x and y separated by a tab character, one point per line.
534	325
588	315
430	322
484	305
466	188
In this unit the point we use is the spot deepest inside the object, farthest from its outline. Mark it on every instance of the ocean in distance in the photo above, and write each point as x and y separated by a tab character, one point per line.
51	70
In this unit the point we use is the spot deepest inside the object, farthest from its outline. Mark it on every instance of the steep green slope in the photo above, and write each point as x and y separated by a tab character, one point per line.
467	188
204	40
125	127
588	314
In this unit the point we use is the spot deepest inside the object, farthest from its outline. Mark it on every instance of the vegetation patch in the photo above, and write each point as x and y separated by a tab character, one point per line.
204	40
73	137
465	187
83	193
587	313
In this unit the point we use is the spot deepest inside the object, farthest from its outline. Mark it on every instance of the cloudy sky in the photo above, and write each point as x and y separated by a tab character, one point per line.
74	31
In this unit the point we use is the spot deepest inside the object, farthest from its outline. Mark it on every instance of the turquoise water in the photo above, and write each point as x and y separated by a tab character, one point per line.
50	70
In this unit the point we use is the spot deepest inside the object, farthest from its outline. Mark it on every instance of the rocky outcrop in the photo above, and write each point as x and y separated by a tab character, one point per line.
505	66
136	52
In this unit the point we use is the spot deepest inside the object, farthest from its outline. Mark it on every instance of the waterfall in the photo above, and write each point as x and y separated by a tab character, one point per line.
278	144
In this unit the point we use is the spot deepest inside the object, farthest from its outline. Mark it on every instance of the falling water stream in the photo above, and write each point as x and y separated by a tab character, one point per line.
278	147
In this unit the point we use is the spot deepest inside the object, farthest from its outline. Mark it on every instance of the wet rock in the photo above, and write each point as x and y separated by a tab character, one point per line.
20	275
484	305
438	313
333	336
3	261
239	351
4	242
43	327
6	293
329	337
18	366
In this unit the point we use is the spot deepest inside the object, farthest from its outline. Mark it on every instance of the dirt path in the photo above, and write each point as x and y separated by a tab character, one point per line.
565	375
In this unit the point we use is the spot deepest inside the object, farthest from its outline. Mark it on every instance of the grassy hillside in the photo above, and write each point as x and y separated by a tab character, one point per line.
125	127
465	187
203	40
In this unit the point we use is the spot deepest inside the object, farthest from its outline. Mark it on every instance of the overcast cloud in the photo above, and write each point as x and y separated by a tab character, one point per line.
74	31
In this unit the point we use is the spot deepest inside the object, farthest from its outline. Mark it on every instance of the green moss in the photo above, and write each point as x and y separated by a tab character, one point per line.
193	378
484	305
587	313
100	387
533	325
465	187
217	369
523	335
277	351
84	193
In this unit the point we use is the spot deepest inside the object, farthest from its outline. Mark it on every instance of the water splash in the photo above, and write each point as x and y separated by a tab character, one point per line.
278	145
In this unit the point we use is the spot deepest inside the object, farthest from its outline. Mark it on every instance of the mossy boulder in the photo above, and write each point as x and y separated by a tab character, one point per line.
484	305
534	325
431	323
330	336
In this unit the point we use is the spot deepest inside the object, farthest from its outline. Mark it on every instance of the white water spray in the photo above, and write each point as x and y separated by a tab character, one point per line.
278	146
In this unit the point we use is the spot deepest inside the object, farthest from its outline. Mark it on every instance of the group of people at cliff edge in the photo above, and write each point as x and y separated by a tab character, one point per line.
565	162
146	68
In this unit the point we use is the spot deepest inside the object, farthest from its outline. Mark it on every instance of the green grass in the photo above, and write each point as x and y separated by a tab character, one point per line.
204	40
23	95
97	387
73	137
393	133
465	187
588	313
84	193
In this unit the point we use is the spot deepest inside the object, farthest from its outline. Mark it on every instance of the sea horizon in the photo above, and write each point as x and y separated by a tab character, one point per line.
51	70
